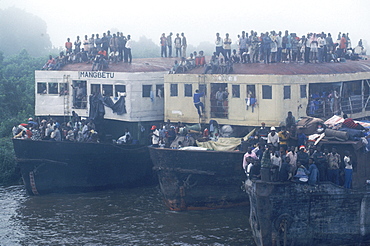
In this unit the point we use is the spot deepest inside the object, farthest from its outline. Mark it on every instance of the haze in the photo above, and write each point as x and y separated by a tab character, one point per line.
199	20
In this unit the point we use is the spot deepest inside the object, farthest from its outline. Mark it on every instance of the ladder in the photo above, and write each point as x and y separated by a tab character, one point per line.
67	113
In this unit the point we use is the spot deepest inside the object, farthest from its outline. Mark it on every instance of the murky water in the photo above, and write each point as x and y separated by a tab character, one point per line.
120	217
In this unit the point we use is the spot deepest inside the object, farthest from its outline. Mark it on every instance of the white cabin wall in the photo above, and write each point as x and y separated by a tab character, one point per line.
271	111
138	108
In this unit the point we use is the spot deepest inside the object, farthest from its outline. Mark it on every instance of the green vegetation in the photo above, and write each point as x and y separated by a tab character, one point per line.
16	103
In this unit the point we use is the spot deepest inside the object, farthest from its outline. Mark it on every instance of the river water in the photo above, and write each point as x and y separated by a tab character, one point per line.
119	217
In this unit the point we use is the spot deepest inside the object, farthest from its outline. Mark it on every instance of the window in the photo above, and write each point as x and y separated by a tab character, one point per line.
119	89
80	93
287	92
188	89
236	91
251	91
174	90
108	90
53	88
95	88
146	90
303	89
41	88
159	91
63	89
266	92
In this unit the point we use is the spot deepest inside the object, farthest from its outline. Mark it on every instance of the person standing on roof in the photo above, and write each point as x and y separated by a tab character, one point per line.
219	45
184	44
163	43
169	45
177	43
128	55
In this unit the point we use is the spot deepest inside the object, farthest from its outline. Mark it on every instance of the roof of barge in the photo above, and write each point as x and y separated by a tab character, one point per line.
293	68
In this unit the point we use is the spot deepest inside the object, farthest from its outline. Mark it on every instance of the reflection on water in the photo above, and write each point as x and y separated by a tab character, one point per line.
120	217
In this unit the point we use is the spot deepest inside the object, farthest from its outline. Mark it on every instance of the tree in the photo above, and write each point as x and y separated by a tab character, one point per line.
17	96
21	30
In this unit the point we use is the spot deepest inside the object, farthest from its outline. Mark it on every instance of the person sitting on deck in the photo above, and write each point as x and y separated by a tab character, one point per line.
174	68
190	62
302	173
50	64
200	60
55	135
212	65
125	138
350	123
235	57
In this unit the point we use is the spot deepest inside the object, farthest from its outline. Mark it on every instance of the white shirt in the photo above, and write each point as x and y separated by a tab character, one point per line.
219	43
347	162
321	41
128	44
274	140
155	137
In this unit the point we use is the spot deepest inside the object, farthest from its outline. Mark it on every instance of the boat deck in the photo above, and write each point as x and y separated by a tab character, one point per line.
294	68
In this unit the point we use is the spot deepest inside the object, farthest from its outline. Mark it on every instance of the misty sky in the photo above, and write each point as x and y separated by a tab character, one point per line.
199	20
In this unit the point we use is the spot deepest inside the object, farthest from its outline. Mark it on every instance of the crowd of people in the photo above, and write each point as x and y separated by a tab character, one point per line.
96	50
195	60
268	47
272	47
76	130
289	155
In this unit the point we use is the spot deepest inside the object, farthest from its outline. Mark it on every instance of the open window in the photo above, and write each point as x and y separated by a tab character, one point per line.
79	94
107	90
119	89
147	90
174	90
219	100
41	88
53	88
159	91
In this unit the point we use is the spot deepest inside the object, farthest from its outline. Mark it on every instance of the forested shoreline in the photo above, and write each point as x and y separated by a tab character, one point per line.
17	101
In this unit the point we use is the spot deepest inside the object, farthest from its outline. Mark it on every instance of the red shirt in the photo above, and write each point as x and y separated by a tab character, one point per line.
350	123
343	42
68	45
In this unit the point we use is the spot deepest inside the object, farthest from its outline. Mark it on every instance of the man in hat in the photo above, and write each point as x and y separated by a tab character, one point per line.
273	138
155	136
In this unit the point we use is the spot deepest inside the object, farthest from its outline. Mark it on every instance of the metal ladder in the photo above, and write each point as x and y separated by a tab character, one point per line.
202	81
66	92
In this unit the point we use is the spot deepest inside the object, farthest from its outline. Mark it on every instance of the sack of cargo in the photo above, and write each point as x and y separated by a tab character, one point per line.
336	135
308	125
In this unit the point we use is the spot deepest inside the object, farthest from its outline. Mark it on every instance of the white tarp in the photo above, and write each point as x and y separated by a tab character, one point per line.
222	144
335	120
